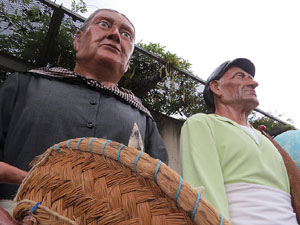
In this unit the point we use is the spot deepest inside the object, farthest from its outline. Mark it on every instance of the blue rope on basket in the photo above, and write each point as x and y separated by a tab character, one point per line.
178	191
195	207
90	145
34	207
78	144
103	153
222	219
136	160
68	143
157	169
57	148
119	150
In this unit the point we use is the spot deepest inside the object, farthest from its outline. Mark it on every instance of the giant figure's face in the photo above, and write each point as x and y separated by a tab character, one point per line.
237	87
109	40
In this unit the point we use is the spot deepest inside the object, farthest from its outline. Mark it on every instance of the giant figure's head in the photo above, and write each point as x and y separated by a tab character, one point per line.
232	84
106	41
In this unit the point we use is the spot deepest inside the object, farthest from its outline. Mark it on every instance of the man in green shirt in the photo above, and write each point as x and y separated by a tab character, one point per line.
243	173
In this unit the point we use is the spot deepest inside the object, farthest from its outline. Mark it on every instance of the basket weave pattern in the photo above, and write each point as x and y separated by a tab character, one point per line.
77	184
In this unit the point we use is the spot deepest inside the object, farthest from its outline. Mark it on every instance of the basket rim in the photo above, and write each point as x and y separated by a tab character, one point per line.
177	189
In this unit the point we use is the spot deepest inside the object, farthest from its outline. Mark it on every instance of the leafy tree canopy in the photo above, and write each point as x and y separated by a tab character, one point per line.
273	127
161	87
78	7
24	28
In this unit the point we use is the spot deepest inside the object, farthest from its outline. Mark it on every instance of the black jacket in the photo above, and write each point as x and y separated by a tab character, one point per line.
37	112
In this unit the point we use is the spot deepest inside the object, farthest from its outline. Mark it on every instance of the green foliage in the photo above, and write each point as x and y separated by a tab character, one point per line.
3	75
161	87
22	28
272	127
63	54
78	7
24	31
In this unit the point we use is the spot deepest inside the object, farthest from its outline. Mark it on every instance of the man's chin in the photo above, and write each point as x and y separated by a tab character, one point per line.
250	103
112	64
254	104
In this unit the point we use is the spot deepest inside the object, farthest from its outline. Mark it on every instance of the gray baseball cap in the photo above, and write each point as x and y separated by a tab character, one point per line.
243	63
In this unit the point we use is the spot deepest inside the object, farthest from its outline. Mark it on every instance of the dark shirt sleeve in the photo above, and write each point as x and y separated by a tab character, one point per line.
154	144
8	94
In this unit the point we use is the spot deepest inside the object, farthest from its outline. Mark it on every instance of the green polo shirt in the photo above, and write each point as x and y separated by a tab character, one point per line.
217	151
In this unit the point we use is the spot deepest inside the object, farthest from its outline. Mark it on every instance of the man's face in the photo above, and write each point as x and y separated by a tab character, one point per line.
237	87
109	40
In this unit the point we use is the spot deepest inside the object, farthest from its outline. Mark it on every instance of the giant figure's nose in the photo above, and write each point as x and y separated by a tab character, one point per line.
114	34
252	82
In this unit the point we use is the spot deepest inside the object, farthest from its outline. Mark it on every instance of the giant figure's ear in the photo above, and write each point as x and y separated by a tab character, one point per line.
127	66
76	42
215	87
128	63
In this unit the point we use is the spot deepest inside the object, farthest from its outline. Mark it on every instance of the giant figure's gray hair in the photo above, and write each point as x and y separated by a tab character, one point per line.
86	23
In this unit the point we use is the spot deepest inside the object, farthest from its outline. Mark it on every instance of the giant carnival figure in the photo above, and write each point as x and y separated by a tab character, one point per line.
245	176
45	106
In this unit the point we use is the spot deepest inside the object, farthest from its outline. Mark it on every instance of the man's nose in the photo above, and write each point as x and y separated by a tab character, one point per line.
252	82
114	34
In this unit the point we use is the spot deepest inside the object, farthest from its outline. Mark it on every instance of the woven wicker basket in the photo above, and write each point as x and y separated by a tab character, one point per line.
96	181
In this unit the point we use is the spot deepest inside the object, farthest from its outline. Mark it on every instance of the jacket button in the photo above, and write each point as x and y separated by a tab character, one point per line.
89	124
93	102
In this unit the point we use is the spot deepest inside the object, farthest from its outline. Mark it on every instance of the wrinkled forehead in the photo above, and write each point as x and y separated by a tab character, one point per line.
231	71
113	15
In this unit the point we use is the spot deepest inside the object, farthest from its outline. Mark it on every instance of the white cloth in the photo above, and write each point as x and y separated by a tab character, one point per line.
253	204
251	131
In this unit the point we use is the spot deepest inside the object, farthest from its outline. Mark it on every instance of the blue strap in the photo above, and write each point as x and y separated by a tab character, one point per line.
157	169
178	191
222	219
78	144
34	207
50	149
122	146
103	153
136	160
195	207
57	147
68	143
90	145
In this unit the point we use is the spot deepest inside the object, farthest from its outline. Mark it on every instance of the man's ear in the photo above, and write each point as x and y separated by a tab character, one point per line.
76	42
128	63
127	66
215	87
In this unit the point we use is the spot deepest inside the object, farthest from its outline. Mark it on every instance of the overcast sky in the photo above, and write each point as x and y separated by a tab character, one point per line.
209	32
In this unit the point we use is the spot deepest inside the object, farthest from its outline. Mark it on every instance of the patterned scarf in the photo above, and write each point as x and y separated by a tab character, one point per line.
71	76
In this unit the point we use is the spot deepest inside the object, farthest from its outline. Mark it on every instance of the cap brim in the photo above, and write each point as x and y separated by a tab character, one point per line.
244	64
